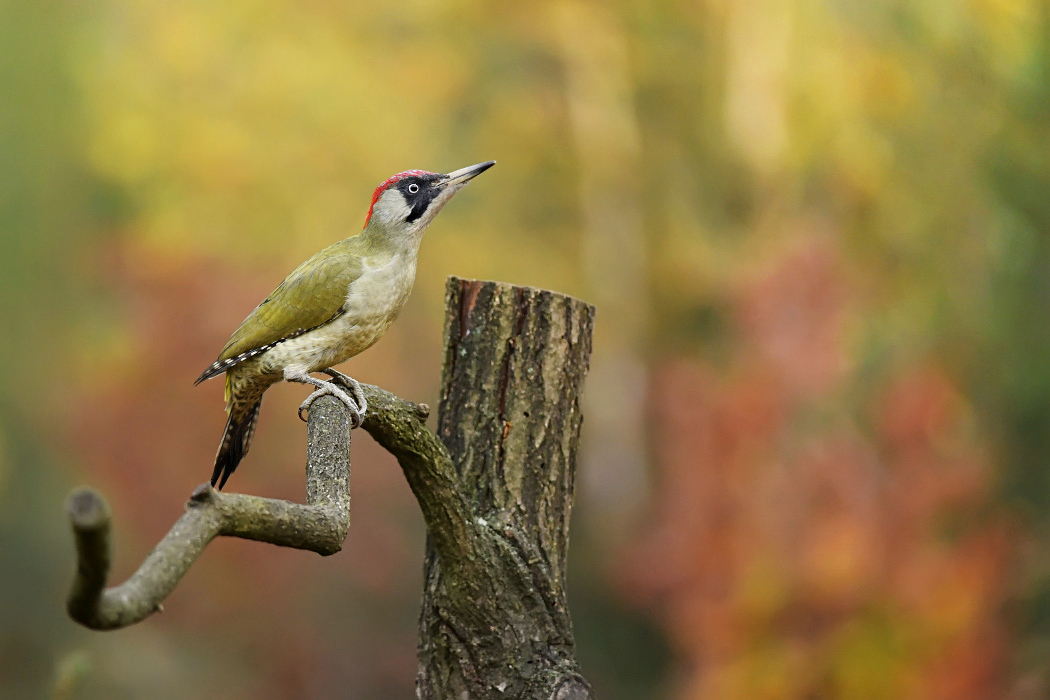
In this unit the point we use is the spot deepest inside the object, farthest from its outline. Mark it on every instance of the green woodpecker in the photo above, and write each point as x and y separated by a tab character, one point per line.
332	307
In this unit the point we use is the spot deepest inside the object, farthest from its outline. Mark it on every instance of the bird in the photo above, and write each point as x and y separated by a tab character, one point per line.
335	305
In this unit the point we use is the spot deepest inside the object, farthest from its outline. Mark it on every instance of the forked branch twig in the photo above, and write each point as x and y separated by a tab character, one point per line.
321	525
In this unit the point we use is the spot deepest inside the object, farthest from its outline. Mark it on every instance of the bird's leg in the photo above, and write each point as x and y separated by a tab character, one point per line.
355	405
351	384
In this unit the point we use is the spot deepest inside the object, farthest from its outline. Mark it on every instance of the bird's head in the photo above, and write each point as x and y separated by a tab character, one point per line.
409	201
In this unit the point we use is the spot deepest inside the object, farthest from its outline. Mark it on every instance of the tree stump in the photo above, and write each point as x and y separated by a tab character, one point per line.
515	360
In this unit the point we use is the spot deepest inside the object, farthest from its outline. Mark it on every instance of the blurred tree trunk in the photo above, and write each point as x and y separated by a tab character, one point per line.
607	147
499	626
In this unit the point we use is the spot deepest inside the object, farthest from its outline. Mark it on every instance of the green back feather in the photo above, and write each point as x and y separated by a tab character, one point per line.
309	297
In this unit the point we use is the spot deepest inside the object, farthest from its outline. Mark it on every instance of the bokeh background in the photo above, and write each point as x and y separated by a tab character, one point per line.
818	236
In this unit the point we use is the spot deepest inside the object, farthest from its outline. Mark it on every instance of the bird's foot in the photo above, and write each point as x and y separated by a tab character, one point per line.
354	400
350	383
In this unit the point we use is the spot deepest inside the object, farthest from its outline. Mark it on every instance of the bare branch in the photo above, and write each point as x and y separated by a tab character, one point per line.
454	533
321	526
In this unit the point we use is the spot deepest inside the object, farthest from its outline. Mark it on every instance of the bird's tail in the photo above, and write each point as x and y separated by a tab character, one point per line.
235	442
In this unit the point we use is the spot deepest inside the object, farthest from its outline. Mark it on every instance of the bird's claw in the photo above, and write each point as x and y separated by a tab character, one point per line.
355	404
353	385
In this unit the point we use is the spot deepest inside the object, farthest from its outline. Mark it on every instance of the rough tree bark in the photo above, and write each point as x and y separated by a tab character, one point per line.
515	359
495	491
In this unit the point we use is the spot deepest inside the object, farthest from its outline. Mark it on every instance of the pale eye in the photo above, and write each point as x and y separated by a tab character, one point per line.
413	188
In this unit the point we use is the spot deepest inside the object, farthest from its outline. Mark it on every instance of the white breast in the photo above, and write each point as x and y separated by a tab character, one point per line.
373	301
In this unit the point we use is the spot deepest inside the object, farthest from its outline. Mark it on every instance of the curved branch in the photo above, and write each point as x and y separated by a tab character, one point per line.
321	526
398	426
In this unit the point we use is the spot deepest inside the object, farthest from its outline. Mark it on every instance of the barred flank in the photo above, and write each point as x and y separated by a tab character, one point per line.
220	366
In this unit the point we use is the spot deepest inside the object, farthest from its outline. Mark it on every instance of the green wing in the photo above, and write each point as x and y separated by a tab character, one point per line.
310	297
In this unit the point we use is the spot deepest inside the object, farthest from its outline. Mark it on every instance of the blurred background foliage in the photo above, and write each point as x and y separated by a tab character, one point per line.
818	234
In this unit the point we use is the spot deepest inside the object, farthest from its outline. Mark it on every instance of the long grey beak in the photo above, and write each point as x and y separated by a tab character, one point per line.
465	175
